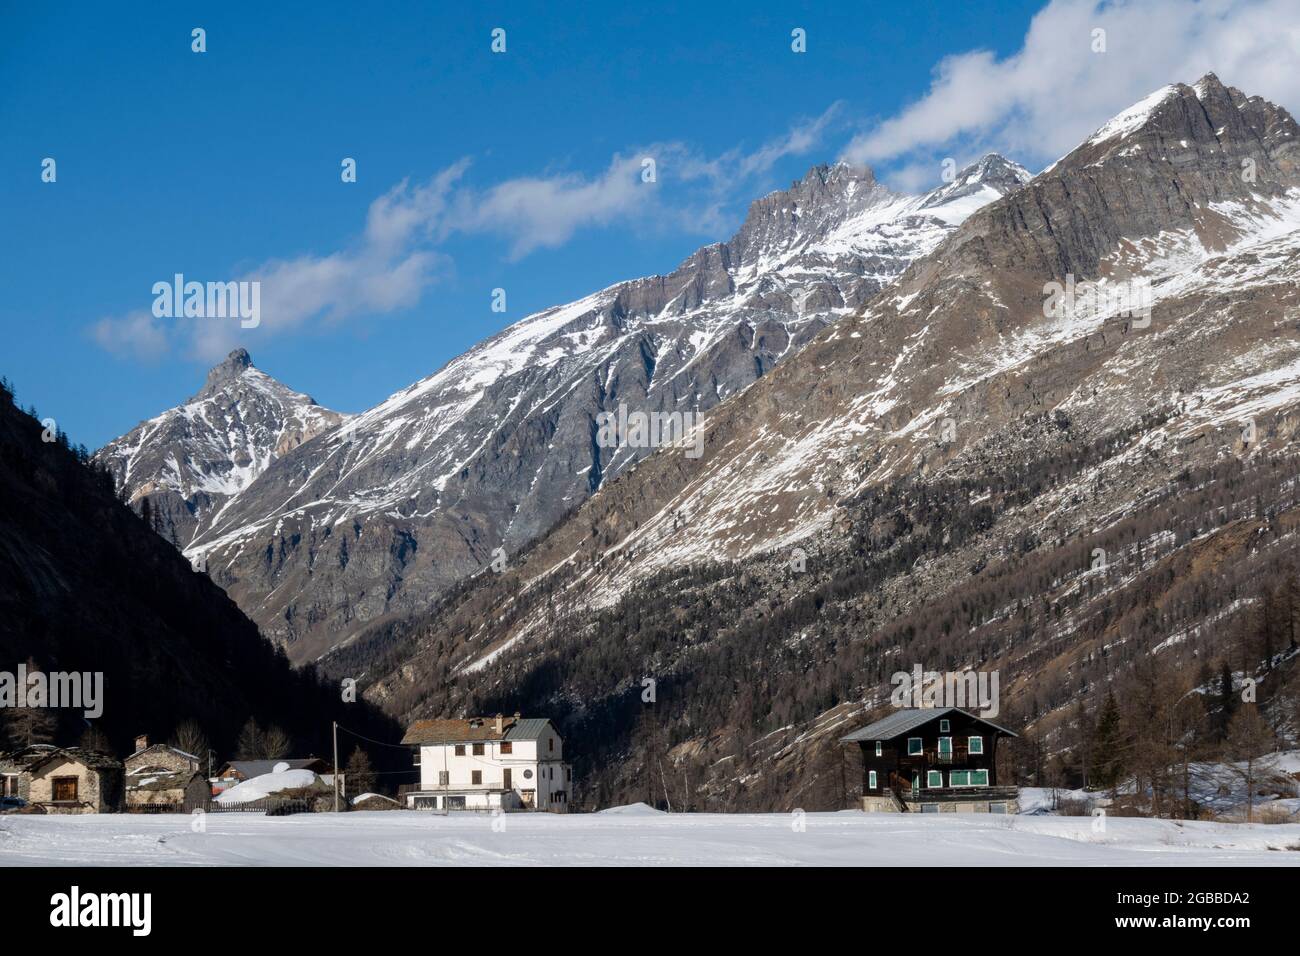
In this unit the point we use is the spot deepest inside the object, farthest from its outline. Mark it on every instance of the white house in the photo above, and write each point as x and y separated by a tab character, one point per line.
487	763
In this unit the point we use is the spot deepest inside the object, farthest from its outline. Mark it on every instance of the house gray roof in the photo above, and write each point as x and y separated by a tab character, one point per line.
256	768
901	721
527	728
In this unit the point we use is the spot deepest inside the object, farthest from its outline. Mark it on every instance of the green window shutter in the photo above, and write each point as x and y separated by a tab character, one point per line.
871	780
977	745
979	778
945	745
959	778
914	746
934	778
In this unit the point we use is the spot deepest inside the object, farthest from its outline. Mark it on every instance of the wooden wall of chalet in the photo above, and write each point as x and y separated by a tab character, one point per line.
894	767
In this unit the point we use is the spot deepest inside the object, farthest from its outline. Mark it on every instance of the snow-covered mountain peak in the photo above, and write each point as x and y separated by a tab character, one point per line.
418	492
192	458
227	370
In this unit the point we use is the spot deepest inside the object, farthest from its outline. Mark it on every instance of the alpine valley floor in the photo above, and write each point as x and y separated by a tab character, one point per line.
638	836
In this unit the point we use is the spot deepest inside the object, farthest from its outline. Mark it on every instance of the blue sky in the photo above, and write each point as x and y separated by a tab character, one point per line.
475	170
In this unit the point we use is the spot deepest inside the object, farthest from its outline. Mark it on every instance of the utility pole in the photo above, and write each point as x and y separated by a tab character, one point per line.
336	766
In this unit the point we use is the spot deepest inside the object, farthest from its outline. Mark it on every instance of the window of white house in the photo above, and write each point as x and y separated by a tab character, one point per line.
945	745
979	778
878	748
914	746
871	780
977	745
444	778
959	778
934	778
944	727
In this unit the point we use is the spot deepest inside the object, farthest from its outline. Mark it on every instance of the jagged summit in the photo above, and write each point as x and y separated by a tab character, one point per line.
191	459
1204	116
497	446
228	369
991	176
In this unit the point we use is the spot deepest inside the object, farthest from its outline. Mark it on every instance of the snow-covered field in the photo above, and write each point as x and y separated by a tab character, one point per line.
636	836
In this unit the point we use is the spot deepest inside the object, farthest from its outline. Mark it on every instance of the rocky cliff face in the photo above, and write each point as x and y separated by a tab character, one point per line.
190	461
379	515
954	475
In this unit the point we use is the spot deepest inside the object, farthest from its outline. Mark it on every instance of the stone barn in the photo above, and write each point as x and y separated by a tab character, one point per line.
161	791
73	780
160	757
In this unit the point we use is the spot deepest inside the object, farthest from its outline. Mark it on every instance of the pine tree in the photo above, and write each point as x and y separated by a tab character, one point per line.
360	773
1107	756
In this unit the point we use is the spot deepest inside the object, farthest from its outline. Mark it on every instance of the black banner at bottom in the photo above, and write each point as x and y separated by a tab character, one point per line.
141	907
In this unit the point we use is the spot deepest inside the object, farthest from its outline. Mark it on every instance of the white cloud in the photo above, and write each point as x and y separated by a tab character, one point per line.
1049	96
540	212
395	258
136	335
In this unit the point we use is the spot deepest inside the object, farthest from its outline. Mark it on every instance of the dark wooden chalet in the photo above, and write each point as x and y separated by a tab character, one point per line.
930	760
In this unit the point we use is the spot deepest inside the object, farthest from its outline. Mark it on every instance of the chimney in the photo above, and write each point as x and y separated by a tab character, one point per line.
141	743
501	724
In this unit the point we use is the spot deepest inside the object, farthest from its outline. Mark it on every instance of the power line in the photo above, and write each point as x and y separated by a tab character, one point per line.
380	743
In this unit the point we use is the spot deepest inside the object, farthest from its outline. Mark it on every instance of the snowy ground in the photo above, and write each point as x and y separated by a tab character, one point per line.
636	836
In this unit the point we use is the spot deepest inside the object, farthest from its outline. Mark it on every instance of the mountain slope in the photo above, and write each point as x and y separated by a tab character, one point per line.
379	515
190	461
948	462
86	586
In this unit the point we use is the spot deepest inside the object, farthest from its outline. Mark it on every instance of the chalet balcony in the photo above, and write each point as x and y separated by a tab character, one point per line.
934	757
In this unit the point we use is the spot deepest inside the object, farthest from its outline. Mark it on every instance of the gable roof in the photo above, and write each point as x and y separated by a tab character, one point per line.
256	768
466	729
906	719
25	757
91	759
175	750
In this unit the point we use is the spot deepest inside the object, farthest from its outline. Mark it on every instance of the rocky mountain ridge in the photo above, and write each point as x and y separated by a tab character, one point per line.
389	508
